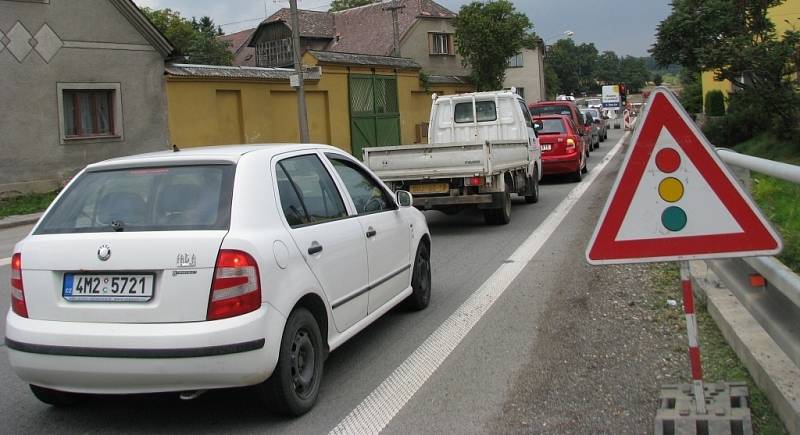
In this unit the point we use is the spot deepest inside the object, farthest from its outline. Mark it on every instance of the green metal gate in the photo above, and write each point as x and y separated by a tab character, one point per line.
374	112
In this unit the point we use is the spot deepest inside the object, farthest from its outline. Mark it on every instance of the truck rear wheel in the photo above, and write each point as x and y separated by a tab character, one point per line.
499	216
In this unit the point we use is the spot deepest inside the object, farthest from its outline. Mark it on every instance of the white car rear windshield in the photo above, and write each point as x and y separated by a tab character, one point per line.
144	199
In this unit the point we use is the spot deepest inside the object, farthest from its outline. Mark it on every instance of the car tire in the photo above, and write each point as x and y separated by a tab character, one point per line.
577	176
294	385
420	296
534	181
54	397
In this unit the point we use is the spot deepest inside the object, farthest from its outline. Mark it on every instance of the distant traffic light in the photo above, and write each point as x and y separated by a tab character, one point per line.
623	94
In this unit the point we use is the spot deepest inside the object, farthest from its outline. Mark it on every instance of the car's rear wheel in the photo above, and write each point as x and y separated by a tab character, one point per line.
421	279
578	174
294	385
54	397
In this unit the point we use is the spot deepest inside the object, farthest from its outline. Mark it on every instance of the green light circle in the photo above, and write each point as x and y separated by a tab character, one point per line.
674	218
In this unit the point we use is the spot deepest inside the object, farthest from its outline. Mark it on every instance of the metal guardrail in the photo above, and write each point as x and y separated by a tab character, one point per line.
777	274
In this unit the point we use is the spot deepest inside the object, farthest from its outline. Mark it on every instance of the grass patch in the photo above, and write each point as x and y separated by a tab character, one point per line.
778	198
720	362
26	204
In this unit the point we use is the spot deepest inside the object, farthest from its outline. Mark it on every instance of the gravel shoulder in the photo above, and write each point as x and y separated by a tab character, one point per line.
607	354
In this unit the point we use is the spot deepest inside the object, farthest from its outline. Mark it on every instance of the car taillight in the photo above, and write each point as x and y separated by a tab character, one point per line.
236	288
570	144
17	290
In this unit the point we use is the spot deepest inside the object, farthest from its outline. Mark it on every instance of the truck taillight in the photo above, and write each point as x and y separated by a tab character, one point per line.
475	181
17	289
236	288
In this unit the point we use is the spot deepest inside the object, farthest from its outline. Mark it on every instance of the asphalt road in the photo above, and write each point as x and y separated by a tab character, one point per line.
467	393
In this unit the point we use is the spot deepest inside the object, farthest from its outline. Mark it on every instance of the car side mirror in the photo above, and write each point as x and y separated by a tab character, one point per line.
404	198
538	126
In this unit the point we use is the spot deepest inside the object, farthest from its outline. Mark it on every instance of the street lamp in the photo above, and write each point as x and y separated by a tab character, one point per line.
567	33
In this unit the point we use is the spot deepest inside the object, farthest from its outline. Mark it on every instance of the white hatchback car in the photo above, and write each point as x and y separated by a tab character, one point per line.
210	268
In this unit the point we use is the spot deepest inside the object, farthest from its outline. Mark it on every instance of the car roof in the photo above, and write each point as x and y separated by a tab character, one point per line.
554	103
553	115
215	154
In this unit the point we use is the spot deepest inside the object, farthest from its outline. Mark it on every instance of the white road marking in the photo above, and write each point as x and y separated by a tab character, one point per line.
5	261
375	412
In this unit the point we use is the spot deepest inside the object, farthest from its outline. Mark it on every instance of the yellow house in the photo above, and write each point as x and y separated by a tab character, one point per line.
353	101
786	16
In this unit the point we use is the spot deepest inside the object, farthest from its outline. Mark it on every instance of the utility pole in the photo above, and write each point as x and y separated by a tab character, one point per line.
302	115
394	6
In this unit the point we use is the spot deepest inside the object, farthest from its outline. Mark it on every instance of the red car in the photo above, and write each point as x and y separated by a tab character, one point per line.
563	148
563	107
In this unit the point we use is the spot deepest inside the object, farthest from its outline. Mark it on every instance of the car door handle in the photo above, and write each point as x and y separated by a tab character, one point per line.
371	232
315	248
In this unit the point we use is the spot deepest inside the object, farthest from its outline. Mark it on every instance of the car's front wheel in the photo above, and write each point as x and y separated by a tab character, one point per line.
54	397
294	385
421	279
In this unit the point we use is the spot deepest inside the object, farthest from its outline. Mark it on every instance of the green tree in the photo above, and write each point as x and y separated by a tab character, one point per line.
633	73
736	41
487	35
574	65
340	5
196	40
658	79
551	82
715	103
691	95
607	68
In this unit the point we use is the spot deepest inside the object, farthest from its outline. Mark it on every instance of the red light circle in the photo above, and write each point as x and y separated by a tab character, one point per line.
668	160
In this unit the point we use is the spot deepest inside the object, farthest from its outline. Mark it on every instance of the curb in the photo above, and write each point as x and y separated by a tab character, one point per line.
20	220
772	370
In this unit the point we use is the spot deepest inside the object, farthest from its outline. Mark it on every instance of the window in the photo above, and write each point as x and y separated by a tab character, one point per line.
89	111
485	110
550	110
515	61
274	53
525	113
441	43
552	126
145	199
307	192
368	196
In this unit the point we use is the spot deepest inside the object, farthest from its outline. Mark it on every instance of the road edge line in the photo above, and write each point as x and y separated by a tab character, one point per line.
378	409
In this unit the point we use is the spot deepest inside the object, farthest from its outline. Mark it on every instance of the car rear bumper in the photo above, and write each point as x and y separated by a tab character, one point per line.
552	165
119	358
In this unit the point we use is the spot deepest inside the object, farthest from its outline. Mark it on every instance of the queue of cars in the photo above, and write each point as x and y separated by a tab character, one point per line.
246	265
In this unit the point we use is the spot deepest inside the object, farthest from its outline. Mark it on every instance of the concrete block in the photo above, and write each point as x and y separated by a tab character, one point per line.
726	405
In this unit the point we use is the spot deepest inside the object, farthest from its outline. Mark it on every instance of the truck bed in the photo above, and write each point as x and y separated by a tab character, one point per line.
449	160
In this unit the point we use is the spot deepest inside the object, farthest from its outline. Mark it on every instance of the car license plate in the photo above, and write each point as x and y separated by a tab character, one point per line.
430	188
122	287
546	147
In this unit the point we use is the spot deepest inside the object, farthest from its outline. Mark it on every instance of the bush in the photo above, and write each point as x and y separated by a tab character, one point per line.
747	117
715	103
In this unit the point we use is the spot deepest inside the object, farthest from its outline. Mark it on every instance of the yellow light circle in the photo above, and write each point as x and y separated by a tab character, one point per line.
670	189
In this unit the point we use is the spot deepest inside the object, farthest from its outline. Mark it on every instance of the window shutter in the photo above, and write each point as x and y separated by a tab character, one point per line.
430	43
450	44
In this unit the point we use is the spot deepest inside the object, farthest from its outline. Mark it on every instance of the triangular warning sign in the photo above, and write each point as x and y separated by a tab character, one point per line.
674	199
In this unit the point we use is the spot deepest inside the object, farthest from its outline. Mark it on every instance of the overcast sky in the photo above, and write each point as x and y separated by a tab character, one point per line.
623	26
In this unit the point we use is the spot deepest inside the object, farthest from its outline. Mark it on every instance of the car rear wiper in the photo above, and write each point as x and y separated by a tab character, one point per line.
118	225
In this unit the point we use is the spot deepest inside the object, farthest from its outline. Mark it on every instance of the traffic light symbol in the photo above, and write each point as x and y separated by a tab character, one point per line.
671	190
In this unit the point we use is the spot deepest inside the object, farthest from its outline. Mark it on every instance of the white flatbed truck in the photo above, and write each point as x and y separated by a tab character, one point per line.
482	148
